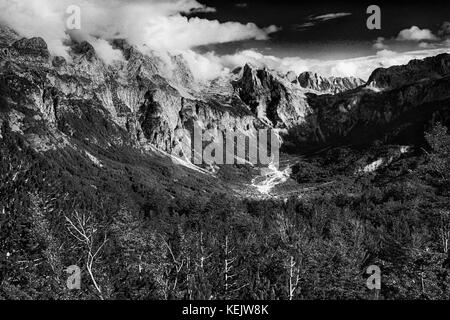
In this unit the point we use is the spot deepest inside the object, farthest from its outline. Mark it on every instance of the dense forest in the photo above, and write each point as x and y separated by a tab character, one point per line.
133	239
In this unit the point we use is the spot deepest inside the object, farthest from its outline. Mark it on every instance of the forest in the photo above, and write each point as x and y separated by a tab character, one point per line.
133	239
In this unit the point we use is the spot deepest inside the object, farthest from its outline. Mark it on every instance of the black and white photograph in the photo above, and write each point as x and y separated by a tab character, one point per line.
240	150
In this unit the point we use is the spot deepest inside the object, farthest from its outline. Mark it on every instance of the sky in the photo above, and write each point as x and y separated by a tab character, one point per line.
215	36
329	29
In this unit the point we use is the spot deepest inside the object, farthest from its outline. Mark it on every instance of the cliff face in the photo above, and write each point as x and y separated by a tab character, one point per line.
137	101
397	104
142	101
278	102
333	85
432	68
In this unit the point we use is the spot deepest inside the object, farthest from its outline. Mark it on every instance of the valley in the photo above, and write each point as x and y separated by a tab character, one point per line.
363	179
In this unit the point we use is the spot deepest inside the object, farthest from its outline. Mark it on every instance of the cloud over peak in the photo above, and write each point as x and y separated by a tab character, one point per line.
152	23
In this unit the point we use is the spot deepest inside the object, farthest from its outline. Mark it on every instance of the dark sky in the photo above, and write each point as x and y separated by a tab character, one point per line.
343	37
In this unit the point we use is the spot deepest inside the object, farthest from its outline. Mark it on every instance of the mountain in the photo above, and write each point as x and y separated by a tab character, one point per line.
396	105
270	98
428	69
146	98
145	101
91	177
107	117
330	85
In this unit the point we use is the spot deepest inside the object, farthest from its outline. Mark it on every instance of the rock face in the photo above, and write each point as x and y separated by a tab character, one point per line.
397	104
313	81
143	102
431	68
33	46
274	100
7	36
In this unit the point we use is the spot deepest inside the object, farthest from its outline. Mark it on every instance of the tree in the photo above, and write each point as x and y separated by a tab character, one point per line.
444	229
439	157
82	228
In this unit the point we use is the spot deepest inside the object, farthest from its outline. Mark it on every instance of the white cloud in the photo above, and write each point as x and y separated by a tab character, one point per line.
364	66
154	23
35	18
416	34
358	67
304	25
313	20
386	53
203	10
242	5
425	45
105	51
204	67
159	24
177	32
379	44
330	16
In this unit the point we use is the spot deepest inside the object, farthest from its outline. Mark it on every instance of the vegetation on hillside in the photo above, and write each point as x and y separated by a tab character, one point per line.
133	239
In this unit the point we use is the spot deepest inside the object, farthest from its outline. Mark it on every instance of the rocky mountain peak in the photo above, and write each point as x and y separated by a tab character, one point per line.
7	36
291	77
272	98
409	97
249	73
124	46
333	85
32	47
416	70
86	49
58	61
149	96
253	85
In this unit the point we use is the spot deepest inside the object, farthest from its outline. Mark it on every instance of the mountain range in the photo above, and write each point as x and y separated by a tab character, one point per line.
143	100
80	135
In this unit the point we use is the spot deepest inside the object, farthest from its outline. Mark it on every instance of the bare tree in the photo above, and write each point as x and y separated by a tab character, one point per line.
231	282
203	255
444	229
294	275
83	229
295	242
178	264
196	265
228	265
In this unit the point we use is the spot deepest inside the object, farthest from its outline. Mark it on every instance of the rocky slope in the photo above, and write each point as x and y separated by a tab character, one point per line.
428	69
86	146
142	101
396	105
137	97
270	98
331	85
